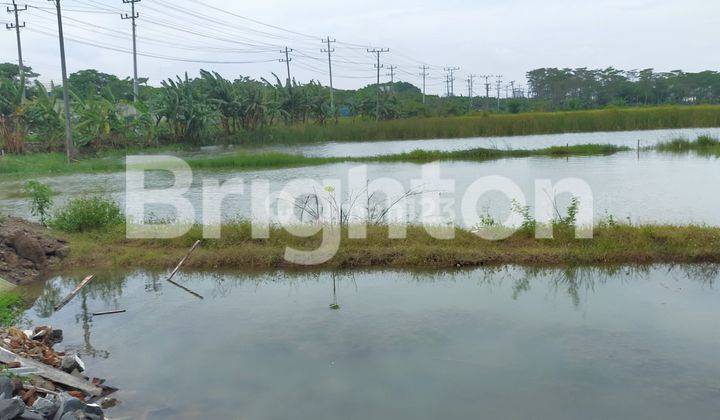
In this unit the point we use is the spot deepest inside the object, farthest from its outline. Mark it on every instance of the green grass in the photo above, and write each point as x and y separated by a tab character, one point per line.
244	160
492	125
703	145
10	308
613	244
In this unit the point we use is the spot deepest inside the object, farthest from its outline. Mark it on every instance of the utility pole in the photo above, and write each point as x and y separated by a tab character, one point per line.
10	26
451	79
69	147
499	86
133	16
512	86
329	51
471	82
378	66
392	77
287	61
424	75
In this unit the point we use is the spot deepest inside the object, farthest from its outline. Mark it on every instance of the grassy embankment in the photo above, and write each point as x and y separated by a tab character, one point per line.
10	308
612	244
50	164
493	125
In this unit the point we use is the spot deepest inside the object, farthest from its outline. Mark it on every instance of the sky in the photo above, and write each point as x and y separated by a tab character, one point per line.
481	37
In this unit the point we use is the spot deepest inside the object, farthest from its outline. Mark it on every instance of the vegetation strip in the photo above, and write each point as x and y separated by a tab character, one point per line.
612	244
243	160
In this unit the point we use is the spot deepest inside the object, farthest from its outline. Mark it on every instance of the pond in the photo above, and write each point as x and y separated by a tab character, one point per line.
649	188
620	138
510	343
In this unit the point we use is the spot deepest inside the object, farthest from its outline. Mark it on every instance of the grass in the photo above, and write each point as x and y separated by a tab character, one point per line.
10	308
244	160
492	125
613	244
703	145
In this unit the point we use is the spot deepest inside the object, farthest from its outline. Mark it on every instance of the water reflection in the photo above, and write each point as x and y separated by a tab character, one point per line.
109	287
619	342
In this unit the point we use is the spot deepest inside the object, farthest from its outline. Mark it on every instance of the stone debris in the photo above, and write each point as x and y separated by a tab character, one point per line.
34	397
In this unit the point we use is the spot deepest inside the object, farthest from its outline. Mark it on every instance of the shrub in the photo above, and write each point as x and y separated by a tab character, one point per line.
41	200
86	214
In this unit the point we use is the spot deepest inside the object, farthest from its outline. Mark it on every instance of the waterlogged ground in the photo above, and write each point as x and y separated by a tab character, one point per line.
620	138
507	343
649	188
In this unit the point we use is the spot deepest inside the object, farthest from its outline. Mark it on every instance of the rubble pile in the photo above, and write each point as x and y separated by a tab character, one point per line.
26	392
26	249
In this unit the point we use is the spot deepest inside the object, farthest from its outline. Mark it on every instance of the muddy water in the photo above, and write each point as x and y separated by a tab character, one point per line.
510	343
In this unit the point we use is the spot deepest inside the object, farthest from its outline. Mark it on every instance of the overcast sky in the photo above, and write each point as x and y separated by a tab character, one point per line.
494	37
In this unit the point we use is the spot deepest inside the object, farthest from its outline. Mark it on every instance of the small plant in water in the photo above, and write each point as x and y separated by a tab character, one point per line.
41	200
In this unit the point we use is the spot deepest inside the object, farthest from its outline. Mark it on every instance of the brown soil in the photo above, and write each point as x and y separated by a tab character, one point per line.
27	250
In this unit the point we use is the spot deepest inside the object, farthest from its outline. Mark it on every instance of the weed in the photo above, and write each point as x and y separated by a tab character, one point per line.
41	200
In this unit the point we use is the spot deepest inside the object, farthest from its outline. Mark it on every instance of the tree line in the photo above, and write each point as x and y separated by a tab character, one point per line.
584	88
198	109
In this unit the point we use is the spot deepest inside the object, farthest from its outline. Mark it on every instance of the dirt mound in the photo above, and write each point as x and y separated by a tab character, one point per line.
26	250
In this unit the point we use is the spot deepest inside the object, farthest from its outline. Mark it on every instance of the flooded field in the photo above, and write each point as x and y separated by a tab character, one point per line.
373	148
651	188
510	343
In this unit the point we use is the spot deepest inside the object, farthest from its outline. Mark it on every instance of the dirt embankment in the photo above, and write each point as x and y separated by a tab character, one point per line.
27	250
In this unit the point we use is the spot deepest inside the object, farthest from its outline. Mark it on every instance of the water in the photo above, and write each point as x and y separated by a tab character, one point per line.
508	343
375	148
651	188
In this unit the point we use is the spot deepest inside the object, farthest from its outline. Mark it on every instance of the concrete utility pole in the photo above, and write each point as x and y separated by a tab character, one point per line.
471	82
512	86
424	75
392	77
378	66
69	146
287	61
499	86
451	79
10	26
329	51
133	16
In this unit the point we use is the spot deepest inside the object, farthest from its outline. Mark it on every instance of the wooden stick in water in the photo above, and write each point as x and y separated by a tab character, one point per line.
72	294
180	264
120	311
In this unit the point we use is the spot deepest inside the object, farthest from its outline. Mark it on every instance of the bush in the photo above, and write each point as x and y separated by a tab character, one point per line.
41	199
86	214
